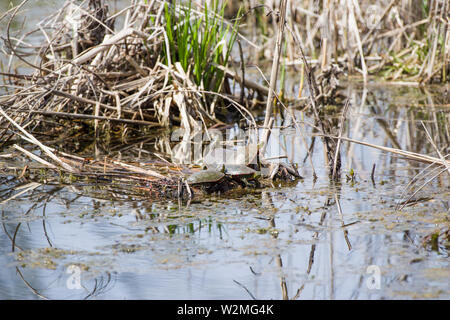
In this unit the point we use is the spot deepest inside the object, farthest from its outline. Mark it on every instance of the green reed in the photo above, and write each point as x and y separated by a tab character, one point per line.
201	43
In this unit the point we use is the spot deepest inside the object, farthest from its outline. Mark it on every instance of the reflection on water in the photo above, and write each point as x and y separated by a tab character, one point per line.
302	240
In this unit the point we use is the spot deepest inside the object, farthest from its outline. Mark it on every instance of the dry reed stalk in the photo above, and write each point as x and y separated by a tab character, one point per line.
354	28
446	163
25	188
140	170
406	154
420	188
44	148
276	62
335	171
35	157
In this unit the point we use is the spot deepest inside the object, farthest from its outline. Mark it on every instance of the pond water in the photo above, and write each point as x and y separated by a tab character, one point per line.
286	241
307	239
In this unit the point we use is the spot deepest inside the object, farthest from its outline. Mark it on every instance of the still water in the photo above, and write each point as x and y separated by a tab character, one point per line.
285	241
308	239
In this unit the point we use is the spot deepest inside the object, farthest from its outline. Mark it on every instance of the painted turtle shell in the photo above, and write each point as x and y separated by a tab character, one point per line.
239	170
205	176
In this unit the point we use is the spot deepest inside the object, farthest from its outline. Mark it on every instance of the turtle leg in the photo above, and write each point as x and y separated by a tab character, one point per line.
256	184
220	186
253	183
211	188
228	184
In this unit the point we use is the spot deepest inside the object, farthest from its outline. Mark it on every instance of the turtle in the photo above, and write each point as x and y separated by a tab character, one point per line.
210	181
238	172
205	177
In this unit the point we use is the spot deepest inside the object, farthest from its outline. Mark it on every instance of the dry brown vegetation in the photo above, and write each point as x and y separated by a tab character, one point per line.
92	71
